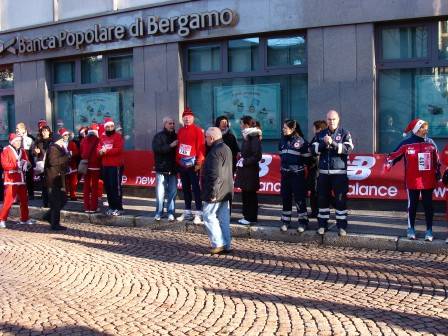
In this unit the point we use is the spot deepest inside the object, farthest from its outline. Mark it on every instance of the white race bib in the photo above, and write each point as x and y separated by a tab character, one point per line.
184	149
424	161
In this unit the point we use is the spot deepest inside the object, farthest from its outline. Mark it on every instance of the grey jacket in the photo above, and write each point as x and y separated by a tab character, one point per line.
217	176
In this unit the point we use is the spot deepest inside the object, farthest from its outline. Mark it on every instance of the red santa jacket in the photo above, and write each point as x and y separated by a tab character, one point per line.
88	152
12	163
113	157
74	158
191	146
421	162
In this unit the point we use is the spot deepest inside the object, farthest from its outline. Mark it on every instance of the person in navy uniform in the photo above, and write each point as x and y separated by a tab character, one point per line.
293	151
333	145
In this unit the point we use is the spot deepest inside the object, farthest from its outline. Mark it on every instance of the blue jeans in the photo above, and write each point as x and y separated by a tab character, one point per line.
217	223
166	184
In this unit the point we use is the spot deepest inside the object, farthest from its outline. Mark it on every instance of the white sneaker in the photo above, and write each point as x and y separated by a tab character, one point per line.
105	204
300	229
157	218
321	231
186	215
284	228
171	218
117	213
2	224
197	219
342	232
243	221
28	222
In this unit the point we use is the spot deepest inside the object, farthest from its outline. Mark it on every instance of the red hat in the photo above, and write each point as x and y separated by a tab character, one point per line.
63	131
42	123
13	137
187	111
94	127
414	126
108	122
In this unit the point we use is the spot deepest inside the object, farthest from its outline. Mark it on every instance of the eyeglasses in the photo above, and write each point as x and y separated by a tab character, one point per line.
171	123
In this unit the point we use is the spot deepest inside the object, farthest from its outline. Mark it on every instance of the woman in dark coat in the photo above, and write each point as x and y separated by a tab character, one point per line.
222	122
247	173
56	164
40	148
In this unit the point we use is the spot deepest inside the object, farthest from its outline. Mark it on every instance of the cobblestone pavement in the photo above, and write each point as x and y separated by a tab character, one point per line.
93	280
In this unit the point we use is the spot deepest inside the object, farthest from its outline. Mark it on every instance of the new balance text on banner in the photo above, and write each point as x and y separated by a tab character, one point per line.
368	179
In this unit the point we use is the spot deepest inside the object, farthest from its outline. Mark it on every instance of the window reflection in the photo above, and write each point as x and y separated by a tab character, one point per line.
243	54
286	51
443	39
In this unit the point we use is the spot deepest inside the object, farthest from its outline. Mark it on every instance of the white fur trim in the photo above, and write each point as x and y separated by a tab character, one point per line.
109	123
418	125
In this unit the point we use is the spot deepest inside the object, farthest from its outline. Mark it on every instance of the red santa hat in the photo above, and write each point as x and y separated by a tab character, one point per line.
414	126
63	131
108	122
42	123
187	111
14	137
94	128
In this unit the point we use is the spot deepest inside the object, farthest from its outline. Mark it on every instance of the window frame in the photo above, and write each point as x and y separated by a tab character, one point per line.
104	83
431	62
262	70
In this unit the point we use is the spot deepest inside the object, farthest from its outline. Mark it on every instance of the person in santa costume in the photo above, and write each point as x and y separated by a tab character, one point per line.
422	171
110	148
71	178
91	178
15	164
190	156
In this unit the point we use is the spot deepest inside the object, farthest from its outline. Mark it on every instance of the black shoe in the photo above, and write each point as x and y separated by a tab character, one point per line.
59	228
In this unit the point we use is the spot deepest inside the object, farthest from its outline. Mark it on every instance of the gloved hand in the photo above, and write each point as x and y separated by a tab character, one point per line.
197	167
25	165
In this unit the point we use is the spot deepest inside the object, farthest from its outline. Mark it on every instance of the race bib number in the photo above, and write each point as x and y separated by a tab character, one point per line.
108	146
424	161
184	149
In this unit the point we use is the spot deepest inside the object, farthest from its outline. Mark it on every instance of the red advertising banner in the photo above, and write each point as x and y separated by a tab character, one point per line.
366	173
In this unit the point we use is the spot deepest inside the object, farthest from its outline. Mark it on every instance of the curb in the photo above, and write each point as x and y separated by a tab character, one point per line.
368	241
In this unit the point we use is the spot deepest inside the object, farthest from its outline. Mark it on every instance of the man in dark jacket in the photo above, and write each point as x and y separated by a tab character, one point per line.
164	147
217	191
56	164
333	145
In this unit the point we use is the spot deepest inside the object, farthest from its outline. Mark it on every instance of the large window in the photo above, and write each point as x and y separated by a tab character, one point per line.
89	89
7	112
412	80
264	77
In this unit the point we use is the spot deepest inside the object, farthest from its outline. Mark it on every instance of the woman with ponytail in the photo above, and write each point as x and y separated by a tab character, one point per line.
293	150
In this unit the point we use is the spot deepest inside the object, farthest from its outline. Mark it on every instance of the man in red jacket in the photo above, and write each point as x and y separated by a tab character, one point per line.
190	156
110	148
422	171
71	178
89	145
15	164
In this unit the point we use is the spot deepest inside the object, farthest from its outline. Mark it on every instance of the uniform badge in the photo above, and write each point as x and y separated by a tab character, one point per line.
338	138
297	144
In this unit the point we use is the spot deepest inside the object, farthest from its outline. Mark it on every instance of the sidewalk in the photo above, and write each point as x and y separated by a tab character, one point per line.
367	229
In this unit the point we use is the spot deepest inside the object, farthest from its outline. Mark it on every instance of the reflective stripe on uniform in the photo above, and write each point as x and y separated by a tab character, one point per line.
332	171
316	147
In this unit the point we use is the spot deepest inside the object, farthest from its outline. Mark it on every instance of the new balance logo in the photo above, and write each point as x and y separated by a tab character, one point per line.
8	46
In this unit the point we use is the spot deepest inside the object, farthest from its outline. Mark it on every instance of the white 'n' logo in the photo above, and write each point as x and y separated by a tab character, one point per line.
360	167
